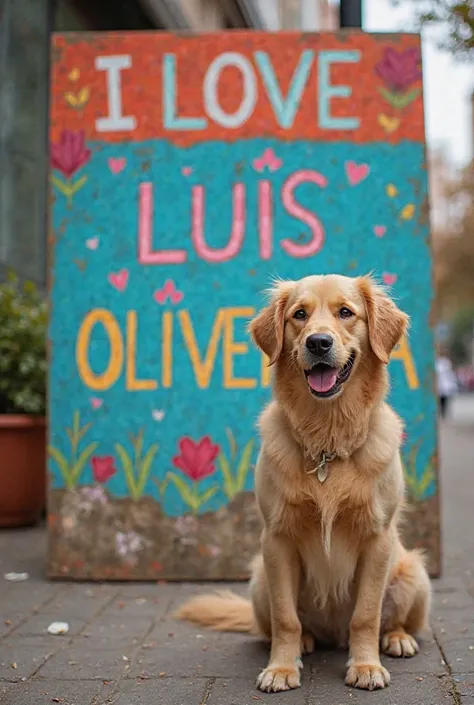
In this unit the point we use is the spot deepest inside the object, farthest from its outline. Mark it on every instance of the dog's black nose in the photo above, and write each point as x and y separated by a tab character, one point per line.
319	343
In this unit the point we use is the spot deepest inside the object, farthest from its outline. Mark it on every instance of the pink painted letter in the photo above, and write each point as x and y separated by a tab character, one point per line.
265	218
212	254
293	208
146	255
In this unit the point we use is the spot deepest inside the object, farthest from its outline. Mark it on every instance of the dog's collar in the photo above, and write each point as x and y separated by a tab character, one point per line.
322	465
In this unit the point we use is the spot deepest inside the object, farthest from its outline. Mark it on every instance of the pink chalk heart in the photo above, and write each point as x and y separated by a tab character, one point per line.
117	164
92	243
356	172
380	230
158	415
389	279
168	291
96	403
187	170
119	280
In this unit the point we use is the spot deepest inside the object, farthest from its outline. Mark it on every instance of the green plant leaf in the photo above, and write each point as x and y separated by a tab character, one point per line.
229	487
404	100
127	465
78	466
389	97
145	468
202	499
184	491
244	466
78	185
137	443
82	432
62	463
232	443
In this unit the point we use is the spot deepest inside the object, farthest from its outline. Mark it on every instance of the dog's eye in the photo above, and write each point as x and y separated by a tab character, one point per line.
300	314
345	312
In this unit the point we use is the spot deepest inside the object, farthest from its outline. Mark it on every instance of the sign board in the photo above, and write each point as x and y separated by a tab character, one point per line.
185	173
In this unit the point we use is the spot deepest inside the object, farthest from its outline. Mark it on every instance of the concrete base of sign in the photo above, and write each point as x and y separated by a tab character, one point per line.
97	537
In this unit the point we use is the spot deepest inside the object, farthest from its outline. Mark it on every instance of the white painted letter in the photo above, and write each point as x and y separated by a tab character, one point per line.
249	98
115	122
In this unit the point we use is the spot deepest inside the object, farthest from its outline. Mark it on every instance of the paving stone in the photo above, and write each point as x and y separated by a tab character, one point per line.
37	625
123	627
201	653
464	684
459	654
40	692
82	663
238	691
20	659
411	690
180	691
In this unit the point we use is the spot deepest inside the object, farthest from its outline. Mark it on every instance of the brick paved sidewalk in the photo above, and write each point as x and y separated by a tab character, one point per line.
124	648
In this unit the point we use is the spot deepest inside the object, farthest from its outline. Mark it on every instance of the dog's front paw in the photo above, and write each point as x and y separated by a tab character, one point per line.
399	644
367	676
276	678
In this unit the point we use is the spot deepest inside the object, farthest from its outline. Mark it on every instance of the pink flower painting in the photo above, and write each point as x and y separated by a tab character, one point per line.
103	468
399	71
68	156
196	459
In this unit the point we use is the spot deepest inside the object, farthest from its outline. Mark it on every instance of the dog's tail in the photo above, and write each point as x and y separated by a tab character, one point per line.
223	611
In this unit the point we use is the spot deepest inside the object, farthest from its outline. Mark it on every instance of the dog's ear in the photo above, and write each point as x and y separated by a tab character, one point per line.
387	324
267	328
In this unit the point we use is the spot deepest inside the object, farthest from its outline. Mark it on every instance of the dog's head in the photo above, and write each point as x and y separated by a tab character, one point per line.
323	327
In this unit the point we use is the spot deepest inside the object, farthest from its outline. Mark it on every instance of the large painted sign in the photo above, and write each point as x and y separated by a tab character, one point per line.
185	173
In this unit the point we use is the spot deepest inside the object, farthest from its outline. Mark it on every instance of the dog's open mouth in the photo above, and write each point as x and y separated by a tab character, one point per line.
325	381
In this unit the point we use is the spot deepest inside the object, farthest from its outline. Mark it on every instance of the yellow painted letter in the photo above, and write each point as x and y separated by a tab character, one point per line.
166	349
99	382
202	368
402	352
232	348
134	384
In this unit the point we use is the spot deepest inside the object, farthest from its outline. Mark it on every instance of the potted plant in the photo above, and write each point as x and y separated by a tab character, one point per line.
23	321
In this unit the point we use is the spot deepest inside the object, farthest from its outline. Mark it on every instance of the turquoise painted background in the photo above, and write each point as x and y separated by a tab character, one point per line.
376	224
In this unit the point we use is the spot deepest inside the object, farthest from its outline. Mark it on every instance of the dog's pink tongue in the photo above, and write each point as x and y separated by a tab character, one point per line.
322	380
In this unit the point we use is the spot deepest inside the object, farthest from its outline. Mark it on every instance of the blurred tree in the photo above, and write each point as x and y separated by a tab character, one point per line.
456	15
454	254
461	336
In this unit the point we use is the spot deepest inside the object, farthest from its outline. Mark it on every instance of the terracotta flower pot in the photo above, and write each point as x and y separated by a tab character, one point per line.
22	469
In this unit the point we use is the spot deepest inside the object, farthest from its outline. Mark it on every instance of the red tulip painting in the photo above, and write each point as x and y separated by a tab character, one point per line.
196	461
68	156
103	468
399	71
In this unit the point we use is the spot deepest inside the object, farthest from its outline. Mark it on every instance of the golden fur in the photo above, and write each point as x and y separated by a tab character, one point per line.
332	566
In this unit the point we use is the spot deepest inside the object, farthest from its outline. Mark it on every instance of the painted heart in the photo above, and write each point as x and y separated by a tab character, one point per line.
187	170
96	403
356	172
119	280
92	243
389	124
268	160
168	291
389	279
158	414
380	230
117	164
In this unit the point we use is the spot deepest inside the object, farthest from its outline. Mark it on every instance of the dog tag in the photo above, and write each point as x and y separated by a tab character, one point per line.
322	472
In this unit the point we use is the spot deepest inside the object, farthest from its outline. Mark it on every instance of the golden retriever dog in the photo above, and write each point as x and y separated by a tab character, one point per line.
329	485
